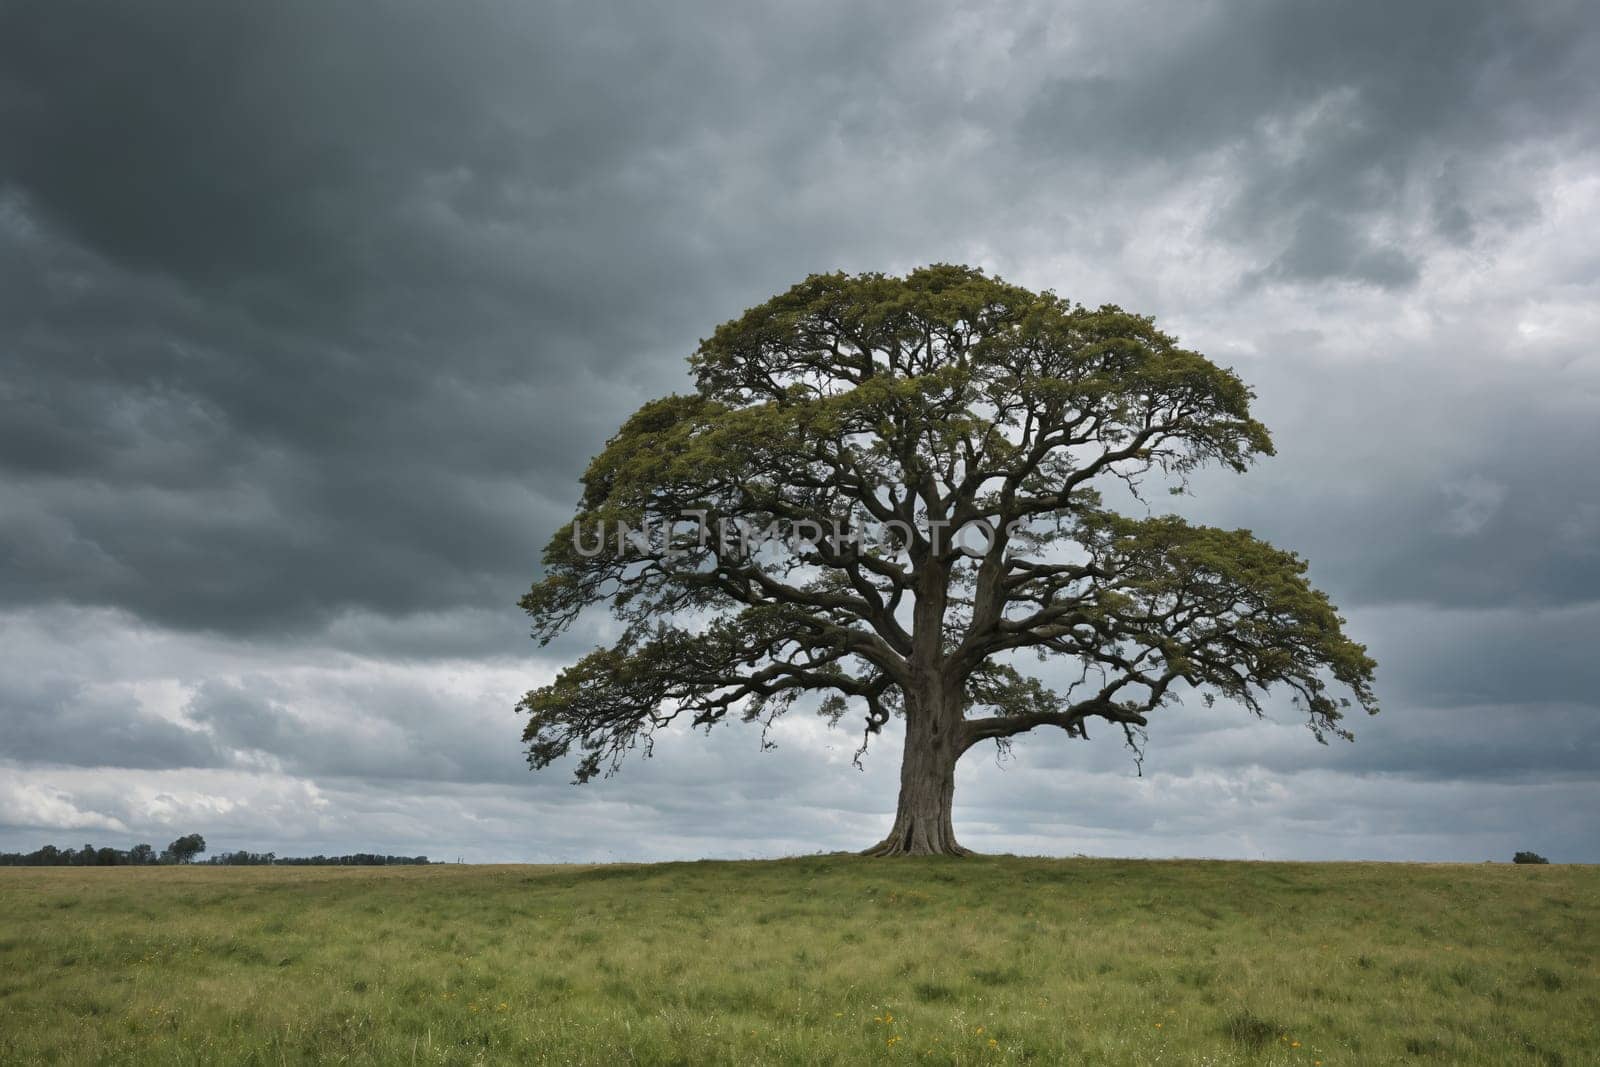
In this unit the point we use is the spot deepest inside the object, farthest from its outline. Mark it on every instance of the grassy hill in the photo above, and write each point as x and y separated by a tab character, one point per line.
812	960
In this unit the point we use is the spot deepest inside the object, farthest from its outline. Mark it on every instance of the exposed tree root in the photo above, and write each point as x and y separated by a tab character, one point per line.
915	840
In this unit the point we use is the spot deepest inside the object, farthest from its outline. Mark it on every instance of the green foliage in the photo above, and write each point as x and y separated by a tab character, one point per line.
886	410
813	960
185	848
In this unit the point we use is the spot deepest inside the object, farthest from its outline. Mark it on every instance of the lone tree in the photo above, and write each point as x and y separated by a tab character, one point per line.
186	848
883	492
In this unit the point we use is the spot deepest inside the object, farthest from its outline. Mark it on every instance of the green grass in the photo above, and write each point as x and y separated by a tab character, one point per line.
814	960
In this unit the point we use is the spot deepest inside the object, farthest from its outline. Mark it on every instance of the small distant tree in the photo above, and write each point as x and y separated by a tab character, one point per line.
186	848
1528	857
141	854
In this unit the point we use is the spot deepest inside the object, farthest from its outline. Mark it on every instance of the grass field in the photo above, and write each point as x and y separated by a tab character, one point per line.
814	960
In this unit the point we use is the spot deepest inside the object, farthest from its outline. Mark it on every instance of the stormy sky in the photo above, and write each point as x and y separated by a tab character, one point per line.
311	315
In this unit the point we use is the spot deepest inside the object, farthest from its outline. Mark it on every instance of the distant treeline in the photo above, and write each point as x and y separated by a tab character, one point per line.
87	856
265	859
184	850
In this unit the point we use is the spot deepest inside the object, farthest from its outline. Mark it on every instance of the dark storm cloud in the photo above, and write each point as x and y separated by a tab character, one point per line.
218	336
317	309
311	314
229	142
290	279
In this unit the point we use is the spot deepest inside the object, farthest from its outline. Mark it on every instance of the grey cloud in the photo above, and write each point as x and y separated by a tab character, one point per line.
404	292
318	294
1483	497
1334	116
1324	245
367	729
64	721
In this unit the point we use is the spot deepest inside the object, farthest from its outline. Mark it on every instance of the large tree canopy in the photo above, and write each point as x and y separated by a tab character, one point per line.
882	493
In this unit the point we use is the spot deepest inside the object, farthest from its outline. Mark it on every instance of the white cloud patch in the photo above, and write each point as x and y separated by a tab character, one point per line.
41	807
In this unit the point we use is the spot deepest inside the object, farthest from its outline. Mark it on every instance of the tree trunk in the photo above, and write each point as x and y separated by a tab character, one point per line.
922	825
